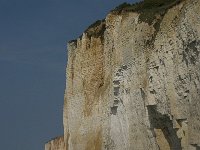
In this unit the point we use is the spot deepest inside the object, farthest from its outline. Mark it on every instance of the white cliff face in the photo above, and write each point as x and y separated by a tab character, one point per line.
133	85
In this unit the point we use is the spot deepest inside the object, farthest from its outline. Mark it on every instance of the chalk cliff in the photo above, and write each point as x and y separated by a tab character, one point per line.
133	80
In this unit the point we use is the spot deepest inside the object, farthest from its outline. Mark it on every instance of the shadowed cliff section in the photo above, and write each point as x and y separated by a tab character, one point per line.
163	122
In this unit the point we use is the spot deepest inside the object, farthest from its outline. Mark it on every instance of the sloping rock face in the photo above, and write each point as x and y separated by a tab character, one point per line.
134	84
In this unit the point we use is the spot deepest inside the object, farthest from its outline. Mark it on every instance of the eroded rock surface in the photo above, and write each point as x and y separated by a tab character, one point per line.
135	85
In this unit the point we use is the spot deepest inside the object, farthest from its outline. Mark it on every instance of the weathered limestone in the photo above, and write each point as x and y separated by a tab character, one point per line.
132	85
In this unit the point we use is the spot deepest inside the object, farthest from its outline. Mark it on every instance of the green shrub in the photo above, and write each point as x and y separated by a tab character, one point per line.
122	6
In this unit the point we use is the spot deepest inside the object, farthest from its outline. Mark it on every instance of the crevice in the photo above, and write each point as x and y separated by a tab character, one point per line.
116	82
191	52
116	102
142	93
124	67
116	91
114	110
153	91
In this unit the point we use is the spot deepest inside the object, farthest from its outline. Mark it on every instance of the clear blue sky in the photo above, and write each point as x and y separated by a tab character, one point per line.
33	56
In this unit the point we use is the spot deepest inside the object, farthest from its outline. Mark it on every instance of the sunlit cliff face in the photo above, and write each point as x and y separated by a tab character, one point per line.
133	82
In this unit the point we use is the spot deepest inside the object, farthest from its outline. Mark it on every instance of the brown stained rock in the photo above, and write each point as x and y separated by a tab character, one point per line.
95	141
